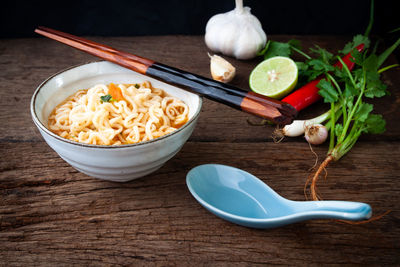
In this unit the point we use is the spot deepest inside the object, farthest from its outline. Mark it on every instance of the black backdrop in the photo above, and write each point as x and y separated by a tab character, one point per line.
18	18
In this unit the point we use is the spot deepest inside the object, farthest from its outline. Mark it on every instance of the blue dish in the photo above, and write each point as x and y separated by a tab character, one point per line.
240	197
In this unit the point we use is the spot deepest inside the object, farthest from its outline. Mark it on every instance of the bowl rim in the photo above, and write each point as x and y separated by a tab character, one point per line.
40	125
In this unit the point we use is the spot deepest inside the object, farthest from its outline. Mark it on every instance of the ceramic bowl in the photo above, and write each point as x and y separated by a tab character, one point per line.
116	163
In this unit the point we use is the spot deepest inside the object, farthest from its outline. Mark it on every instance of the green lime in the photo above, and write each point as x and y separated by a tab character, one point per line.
274	77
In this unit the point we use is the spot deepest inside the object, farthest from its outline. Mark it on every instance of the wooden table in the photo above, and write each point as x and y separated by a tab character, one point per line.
51	214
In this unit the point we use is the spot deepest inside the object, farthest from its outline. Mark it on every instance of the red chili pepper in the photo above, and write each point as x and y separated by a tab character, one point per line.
308	94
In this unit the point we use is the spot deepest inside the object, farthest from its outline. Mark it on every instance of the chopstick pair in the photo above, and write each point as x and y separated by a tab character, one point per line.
271	109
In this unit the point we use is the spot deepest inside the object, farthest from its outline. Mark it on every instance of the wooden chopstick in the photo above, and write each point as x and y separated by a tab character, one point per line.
268	108
108	53
106	48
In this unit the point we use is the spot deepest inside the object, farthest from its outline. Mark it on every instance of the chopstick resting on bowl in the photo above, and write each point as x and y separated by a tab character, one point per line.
271	109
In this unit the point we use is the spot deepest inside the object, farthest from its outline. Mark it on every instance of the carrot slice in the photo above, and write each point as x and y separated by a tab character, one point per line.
115	92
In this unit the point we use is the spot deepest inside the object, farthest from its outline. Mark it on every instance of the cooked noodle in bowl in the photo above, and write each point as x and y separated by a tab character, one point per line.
112	123
118	114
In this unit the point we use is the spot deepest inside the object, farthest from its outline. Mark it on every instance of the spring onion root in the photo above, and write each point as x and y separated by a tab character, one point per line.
314	178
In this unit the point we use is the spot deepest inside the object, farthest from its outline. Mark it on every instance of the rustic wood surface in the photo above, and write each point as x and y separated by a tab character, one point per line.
50	214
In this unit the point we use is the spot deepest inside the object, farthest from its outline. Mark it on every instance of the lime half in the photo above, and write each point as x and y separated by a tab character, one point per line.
274	77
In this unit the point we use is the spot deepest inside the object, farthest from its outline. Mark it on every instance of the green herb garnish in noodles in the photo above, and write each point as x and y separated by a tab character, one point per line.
106	98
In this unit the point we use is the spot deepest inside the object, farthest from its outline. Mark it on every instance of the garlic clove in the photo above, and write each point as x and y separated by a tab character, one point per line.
221	70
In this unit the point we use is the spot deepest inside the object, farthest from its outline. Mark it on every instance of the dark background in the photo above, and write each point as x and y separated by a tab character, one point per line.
129	18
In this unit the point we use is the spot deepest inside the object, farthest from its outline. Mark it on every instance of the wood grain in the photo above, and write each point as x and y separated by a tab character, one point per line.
50	214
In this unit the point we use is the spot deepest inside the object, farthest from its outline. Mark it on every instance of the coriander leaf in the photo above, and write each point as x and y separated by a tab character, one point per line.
327	91
106	98
358	75
262	52
277	49
371	63
347	48
340	73
338	129
363	111
313	74
349	90
375	124
274	48
295	43
357	40
301	66
357	57
306	73
323	54
374	86
321	65
317	64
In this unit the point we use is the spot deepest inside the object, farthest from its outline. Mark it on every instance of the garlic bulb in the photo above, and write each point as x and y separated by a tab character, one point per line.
236	33
221	70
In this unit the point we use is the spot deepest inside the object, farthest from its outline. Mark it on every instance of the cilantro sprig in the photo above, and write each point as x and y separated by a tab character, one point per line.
348	90
345	90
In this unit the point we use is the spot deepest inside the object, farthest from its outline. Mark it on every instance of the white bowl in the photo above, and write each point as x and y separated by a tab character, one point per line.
114	163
